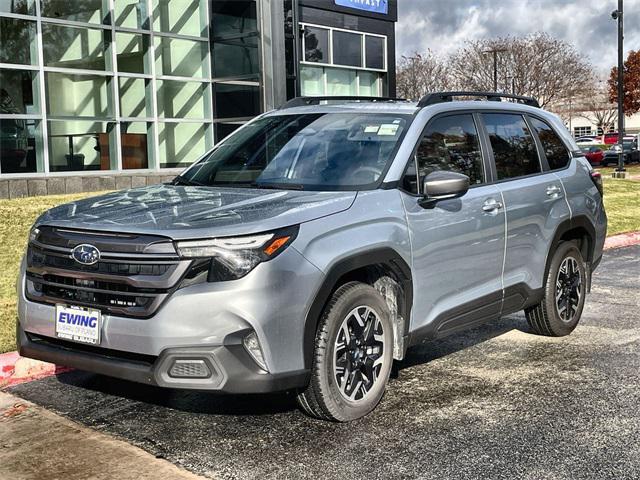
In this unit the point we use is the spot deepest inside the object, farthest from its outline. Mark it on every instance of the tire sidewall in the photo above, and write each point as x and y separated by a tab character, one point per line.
360	295
559	326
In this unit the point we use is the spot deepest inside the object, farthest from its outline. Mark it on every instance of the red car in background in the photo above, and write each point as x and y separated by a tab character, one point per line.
610	138
595	155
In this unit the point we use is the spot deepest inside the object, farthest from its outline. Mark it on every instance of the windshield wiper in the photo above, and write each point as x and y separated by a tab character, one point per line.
278	186
180	180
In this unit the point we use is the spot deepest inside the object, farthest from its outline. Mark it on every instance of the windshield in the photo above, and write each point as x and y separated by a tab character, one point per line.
322	151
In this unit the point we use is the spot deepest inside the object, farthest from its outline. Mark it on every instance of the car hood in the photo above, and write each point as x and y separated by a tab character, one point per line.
182	212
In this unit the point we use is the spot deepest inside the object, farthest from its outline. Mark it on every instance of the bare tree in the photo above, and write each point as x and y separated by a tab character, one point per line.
598	109
537	65
419	73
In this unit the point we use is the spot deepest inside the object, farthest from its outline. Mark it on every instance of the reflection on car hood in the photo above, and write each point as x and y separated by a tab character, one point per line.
195	212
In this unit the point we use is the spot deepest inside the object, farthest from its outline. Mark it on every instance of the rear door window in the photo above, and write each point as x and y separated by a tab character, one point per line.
514	148
554	149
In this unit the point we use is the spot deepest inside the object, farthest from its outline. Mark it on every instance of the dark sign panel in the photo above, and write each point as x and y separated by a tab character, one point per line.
375	6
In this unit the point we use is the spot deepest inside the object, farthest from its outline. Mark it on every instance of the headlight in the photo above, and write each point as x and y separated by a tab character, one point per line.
222	259
33	234
617	148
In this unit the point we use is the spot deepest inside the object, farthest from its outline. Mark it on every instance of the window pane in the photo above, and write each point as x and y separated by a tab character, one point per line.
70	95
368	84
76	145
20	146
451	144
236	57
375	52
17	41
181	143
24	7
135	138
131	14
182	99
316	45
232	18
233	101
225	129
89	11
347	49
341	82
557	154
135	98
513	146
186	17
133	50
182	58
16	92
71	47
311	80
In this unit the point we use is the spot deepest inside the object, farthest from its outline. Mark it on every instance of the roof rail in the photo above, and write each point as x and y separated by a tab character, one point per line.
305	101
442	97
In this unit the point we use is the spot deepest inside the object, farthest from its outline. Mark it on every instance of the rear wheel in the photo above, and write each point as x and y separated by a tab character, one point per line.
352	357
559	311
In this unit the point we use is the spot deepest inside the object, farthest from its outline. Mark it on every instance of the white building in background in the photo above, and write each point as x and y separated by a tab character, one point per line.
581	123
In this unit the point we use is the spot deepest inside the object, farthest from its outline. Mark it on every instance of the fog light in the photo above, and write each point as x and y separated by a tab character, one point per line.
252	346
189	369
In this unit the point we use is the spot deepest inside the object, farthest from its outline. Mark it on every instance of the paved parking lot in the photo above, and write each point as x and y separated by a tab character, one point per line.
496	402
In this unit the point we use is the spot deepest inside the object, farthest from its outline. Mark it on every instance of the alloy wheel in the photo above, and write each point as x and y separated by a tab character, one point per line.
359	353
568	289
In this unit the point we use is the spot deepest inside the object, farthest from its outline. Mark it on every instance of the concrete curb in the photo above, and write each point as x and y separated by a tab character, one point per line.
15	369
622	240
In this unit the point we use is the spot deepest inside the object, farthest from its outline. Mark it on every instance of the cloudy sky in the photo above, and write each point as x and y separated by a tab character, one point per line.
444	25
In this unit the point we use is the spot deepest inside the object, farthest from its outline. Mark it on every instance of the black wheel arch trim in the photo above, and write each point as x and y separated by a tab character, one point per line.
579	221
385	256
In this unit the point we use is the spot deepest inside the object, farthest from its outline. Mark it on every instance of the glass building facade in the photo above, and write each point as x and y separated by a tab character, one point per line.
134	86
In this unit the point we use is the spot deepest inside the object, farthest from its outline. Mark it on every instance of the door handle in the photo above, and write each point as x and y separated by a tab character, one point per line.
491	205
553	191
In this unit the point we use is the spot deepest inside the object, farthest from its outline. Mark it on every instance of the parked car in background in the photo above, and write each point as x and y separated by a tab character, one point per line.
593	154
610	138
588	140
631	154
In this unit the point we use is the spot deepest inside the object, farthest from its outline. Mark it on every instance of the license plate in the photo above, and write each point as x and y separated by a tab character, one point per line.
78	324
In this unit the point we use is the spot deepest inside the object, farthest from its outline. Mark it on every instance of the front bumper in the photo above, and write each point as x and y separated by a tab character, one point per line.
206	322
230	368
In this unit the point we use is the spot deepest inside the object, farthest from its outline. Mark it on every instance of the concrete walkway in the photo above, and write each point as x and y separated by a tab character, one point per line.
36	444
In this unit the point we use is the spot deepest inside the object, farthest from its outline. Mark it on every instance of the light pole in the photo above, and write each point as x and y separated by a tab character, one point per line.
618	15
495	52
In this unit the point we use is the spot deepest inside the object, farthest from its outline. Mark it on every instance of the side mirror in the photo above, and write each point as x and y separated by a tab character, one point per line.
444	185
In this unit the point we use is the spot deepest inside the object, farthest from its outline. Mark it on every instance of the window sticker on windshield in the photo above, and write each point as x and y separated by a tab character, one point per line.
388	129
371	128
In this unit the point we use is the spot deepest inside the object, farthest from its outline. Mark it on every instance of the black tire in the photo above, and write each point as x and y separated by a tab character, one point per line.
548	317
323	398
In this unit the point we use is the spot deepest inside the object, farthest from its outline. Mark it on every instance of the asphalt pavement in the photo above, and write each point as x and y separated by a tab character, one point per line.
495	402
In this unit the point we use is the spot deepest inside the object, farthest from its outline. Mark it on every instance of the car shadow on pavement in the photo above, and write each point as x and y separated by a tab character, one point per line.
434	349
212	403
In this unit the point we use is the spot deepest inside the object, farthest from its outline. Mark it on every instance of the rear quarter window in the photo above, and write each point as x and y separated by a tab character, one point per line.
553	147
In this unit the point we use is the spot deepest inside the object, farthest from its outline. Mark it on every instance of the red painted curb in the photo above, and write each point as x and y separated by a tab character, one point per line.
15	369
622	240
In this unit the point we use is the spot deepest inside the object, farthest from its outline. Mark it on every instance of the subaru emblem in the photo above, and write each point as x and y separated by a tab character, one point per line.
85	254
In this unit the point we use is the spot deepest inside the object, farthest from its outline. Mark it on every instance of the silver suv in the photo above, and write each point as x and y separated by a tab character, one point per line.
315	245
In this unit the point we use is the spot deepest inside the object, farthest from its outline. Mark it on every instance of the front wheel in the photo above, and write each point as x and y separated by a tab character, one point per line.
352	357
559	311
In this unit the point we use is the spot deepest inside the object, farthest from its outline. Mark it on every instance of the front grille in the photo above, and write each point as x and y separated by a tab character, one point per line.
67	263
123	283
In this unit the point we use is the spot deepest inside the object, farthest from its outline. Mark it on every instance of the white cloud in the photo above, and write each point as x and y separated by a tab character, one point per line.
444	25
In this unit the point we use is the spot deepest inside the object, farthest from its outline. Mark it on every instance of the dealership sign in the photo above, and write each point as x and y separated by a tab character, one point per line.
376	6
